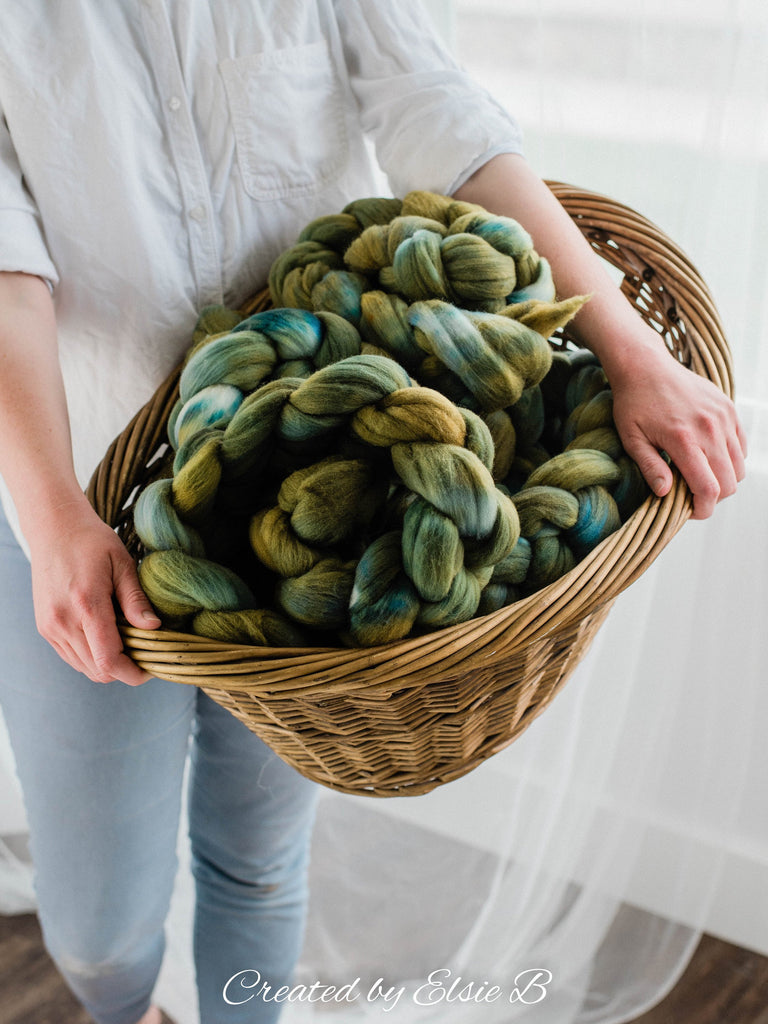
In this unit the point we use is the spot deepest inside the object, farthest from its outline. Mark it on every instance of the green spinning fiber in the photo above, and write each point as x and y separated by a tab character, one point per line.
428	246
359	506
495	357
275	343
437	451
320	248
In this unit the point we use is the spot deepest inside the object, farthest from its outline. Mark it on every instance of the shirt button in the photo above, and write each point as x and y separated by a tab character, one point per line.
174	102
197	213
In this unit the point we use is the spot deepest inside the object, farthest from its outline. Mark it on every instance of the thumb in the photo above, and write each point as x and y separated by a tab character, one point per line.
133	601
655	470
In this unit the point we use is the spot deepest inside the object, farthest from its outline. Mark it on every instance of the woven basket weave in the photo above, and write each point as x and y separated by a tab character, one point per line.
405	717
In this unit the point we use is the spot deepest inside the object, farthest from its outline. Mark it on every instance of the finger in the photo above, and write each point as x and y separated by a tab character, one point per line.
742	436
721	465
67	653
700	477
133	602
56	630
655	470
107	657
736	453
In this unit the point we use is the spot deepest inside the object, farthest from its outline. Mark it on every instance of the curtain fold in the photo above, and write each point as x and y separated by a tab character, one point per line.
580	865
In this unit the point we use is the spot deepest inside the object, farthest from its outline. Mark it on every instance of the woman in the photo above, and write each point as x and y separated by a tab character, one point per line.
154	158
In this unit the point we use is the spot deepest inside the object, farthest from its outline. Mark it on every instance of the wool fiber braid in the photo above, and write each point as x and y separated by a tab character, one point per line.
426	437
396	445
320	248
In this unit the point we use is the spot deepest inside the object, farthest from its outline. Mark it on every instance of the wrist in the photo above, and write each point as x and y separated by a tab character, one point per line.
619	337
50	515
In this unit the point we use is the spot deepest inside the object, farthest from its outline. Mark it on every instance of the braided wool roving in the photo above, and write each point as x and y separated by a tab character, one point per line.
427	246
321	493
438	452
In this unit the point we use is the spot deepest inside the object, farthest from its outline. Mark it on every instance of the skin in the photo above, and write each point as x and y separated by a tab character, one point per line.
152	1016
79	566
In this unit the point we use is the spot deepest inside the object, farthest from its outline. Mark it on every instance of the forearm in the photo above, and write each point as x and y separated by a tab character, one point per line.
35	451
607	324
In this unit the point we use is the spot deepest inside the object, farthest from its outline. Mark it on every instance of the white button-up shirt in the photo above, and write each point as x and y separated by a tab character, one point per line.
156	156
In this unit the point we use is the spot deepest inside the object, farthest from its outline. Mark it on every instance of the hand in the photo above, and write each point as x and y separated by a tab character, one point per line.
78	565
662	406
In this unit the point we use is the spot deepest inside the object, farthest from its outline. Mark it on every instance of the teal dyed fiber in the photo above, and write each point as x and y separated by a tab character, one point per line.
383	604
334	231
575	469
513	568
159	525
322	243
340	292
264	344
241	360
480	553
374	210
215	405
506	581
188	450
332	501
417	268
584	384
542	287
293	332
306	428
454	479
598	517
602	439
458	486
551	558
248	440
545	506
321	597
460	603
502	233
495	358
631	489
528	416
430	247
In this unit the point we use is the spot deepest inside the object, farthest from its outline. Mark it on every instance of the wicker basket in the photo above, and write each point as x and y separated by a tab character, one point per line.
405	717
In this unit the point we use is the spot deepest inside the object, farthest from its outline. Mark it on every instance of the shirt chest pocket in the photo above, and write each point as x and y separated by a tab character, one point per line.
287	110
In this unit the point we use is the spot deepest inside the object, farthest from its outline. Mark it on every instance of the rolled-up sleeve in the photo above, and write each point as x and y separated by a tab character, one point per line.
22	244
432	125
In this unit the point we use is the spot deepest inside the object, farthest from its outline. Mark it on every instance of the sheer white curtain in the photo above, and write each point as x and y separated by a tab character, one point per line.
583	861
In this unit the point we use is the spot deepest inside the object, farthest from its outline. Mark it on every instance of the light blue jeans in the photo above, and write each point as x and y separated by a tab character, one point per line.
101	768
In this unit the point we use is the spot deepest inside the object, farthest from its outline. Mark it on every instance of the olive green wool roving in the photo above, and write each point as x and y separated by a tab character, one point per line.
439	454
395	447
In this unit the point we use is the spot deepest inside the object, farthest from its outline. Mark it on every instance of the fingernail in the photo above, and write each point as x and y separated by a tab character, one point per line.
150	617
